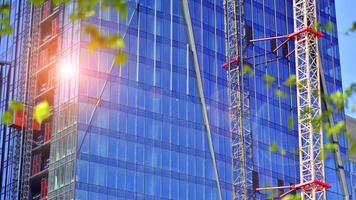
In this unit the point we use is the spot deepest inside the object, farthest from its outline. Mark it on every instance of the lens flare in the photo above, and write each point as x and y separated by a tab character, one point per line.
67	70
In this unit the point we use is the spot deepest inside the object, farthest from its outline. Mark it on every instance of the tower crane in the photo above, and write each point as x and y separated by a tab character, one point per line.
239	103
312	178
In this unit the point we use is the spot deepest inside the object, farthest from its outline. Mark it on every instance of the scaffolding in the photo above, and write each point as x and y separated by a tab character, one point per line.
27	177
24	70
30	102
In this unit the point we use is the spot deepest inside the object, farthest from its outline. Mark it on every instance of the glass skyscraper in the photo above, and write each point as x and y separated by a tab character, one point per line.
148	139
152	132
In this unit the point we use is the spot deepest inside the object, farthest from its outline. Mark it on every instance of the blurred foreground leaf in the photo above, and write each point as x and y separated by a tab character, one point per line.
269	80
353	27
280	93
327	148
296	152
315	25
273	195
57	2
338	99
41	111
335	130
7	117
273	147
352	148
246	69
36	2
329	26
290	123
16	105
112	41
290	81
5	9
120	58
292	197
283	151
5	27
121	7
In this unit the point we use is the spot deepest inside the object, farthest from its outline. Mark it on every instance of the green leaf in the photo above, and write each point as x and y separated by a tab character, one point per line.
273	195
353	27
316	93
115	41
5	9
330	146
16	105
290	81
315	25
292	197
280	93
6	31
269	80
92	30
105	6
348	135
246	69
335	130
36	2
7	117
79	15
93	46
95	36
352	148
120	58
327	148
351	89
57	2
301	84
288	197
306	111
41	111
290	123
317	121
329	26
120	6
5	21
273	147
338	98
283	151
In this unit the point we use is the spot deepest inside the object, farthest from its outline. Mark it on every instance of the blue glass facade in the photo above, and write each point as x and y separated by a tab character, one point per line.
148	139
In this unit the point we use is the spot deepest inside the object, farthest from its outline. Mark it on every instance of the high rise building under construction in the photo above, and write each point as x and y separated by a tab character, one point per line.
159	126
